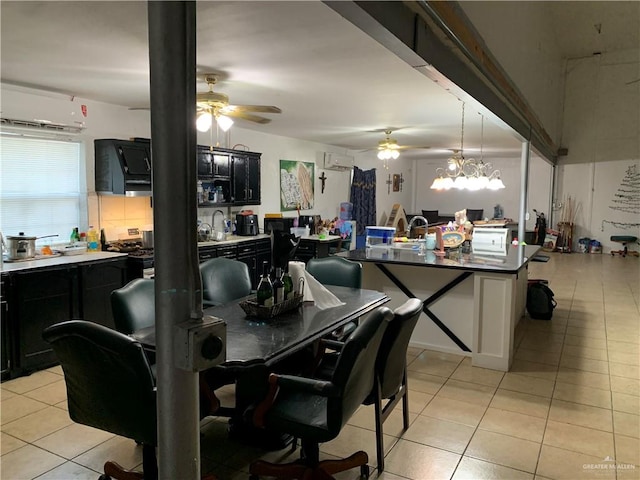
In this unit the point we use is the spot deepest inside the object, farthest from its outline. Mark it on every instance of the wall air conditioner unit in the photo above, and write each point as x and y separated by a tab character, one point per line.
337	161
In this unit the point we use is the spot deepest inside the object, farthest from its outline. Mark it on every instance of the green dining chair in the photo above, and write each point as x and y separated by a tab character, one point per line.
133	305
224	280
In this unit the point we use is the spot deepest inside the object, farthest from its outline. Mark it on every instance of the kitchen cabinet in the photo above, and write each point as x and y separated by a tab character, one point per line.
41	298
6	349
245	178
34	299
97	281
250	252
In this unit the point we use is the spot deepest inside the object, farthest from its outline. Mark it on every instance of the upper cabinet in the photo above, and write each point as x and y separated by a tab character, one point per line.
246	178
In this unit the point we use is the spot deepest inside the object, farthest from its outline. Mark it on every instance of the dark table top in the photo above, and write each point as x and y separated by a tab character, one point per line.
516	257
250	340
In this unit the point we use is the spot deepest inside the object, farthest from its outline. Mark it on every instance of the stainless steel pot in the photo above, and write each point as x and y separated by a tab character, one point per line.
21	246
147	239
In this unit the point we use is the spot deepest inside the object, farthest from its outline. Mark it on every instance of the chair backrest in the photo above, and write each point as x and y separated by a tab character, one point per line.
133	305
336	271
354	374
224	280
109	381
392	355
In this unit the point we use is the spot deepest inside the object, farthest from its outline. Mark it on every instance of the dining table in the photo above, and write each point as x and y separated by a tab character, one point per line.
256	347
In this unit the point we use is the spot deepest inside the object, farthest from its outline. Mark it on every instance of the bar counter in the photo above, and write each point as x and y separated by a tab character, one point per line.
472	302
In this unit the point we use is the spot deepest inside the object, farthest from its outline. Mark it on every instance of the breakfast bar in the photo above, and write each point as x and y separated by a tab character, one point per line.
472	303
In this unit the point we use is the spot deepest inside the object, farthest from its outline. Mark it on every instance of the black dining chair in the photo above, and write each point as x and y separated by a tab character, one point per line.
224	280
340	272
391	369
316	410
133	305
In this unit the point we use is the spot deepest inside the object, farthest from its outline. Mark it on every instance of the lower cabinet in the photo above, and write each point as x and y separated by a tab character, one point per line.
6	349
250	252
36	299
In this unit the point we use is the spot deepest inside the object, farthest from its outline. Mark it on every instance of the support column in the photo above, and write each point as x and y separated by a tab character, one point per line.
524	186
172	60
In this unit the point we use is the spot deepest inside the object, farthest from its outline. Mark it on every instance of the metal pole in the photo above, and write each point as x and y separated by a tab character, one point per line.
172	60
524	185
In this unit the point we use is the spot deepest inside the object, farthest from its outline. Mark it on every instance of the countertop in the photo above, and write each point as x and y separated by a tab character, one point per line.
231	239
45	262
517	257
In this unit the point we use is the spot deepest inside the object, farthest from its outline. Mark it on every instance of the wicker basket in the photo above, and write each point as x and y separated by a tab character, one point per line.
252	309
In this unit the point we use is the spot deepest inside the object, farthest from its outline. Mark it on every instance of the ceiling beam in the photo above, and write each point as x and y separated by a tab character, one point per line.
438	36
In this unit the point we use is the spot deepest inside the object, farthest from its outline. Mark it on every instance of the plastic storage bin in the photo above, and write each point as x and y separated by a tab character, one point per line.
379	236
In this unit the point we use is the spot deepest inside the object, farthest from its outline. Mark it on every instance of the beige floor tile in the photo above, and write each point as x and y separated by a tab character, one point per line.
626	358
6	394
623	335
579	439
467	392
413	351
525	403
393	426
69	471
533	341
598	334
527	384
50	394
450	436
581	415
117	449
585	342
626	371
27	462
558	325
504	450
62	405
626	424
584	352
580	394
550	358
454	411
587	379
57	370
418	400
623	402
484	376
629	386
560	464
627	450
433	366
474	469
416	461
586	364
544	371
18	407
425	383
9	443
352	439
39	424
31	382
71	441
514	424
623	347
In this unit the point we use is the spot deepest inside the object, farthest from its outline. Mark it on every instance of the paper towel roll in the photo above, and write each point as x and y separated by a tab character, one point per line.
297	271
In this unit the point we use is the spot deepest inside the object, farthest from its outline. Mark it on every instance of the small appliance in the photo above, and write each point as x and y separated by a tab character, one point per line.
283	224
312	220
246	225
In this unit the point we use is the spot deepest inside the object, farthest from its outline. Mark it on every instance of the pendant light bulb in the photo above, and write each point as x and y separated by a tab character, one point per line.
224	122
204	121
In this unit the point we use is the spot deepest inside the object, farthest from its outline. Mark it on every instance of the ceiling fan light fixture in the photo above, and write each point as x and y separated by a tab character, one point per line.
204	121
224	122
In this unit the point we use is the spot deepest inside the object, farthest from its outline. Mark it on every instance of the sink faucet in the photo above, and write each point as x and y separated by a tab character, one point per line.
413	219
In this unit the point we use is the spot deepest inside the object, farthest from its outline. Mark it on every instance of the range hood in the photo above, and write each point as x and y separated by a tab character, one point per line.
123	167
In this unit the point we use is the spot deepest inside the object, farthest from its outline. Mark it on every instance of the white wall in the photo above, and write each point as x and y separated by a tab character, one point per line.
112	121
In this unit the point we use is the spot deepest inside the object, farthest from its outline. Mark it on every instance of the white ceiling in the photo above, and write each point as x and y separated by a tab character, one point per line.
334	84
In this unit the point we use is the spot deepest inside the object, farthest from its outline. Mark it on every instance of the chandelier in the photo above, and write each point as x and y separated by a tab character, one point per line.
467	173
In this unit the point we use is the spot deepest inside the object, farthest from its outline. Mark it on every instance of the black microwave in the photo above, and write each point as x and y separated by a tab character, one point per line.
283	224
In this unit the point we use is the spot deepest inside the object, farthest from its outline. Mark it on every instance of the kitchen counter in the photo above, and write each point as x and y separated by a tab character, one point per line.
472	303
53	261
233	239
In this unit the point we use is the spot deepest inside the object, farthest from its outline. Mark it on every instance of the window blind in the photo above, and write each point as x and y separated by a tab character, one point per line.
39	187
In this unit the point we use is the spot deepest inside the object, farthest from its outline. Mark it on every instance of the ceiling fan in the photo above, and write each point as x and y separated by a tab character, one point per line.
215	105
390	149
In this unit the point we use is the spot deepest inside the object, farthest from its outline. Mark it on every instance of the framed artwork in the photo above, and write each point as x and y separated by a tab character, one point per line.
296	185
396	182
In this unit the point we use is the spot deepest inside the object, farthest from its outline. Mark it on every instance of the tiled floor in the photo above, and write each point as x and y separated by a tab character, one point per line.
569	409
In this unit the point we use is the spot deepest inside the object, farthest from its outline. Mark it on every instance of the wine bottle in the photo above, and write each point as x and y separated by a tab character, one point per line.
278	287
264	293
287	282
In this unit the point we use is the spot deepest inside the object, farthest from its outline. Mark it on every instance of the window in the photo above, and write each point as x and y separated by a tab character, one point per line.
40	187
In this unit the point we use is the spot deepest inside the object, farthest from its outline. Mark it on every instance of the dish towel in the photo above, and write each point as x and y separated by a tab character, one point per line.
314	291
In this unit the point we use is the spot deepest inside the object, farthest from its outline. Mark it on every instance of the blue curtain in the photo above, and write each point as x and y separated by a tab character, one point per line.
363	198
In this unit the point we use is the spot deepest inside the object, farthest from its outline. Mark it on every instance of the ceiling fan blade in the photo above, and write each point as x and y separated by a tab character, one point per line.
248	116
133	109
414	147
252	108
